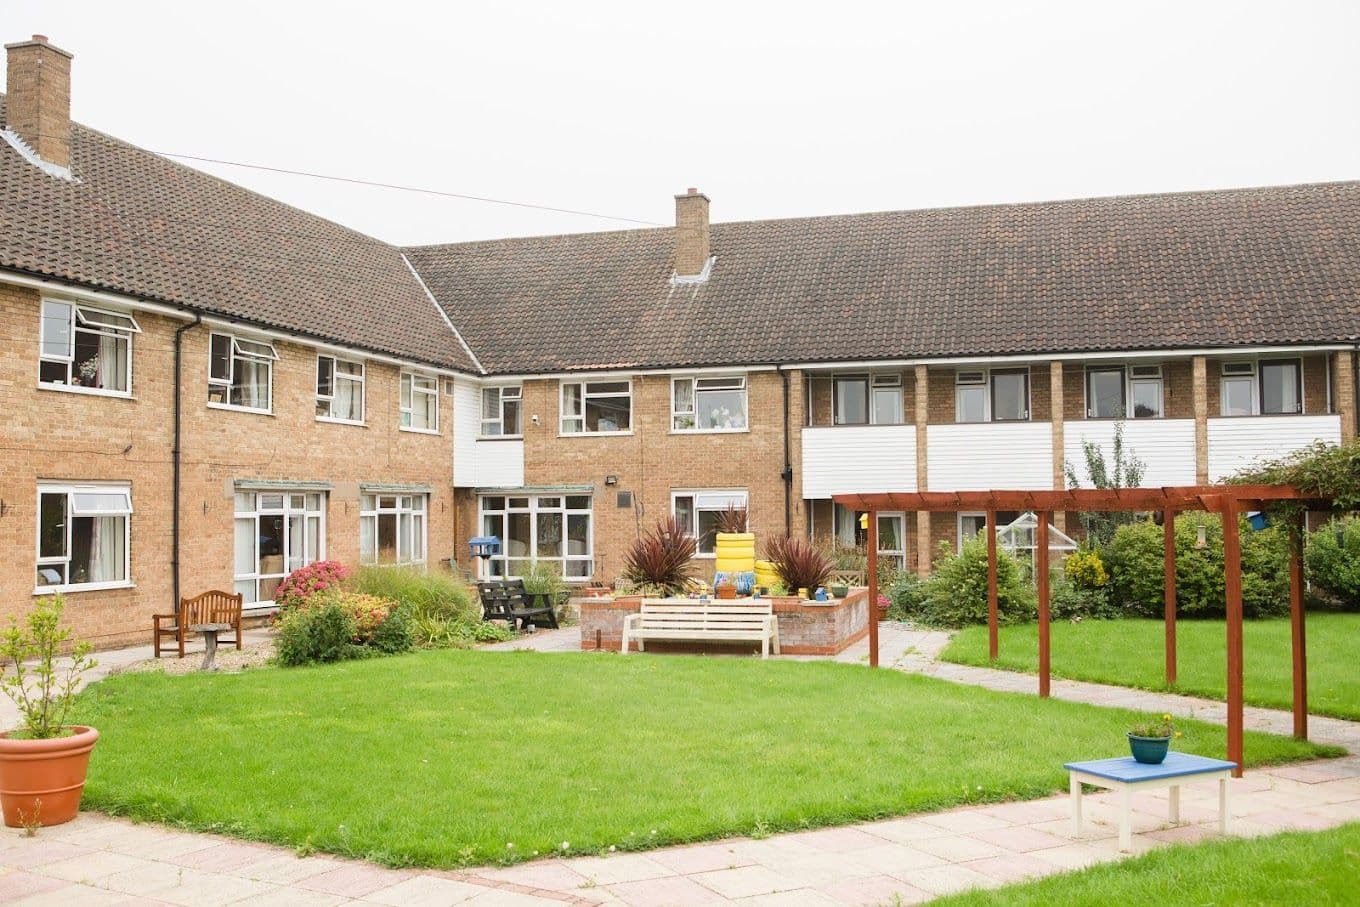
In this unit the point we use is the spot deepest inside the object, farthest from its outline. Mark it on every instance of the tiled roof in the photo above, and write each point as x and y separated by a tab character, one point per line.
138	224
1207	269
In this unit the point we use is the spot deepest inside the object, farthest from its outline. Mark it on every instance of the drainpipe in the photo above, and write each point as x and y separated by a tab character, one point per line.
787	474
175	457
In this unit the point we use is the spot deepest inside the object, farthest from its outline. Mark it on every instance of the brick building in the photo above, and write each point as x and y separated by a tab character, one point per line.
203	387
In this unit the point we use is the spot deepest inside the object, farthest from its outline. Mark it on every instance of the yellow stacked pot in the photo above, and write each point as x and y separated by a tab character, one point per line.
735	552
766	575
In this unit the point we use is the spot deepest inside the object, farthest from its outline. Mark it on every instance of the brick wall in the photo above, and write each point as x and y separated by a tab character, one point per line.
653	461
57	435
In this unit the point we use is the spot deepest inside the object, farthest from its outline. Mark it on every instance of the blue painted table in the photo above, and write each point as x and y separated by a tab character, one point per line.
1126	775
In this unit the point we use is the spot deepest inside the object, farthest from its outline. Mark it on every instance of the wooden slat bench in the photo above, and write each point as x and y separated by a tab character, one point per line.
213	607
703	621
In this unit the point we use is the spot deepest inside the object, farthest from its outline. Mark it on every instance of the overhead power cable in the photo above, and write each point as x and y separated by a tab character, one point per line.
417	189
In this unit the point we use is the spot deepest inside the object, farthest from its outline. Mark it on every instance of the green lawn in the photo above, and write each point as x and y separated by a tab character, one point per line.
447	758
1312	868
1130	653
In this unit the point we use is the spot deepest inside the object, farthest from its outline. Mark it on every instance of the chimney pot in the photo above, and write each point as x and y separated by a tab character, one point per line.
691	233
38	98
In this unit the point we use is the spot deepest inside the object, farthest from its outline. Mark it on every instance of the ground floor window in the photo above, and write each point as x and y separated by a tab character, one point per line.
972	525
392	528
698	512
852	531
276	533
536	529
82	536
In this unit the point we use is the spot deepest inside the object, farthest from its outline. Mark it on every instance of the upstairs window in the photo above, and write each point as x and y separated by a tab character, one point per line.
240	372
82	536
867	399
339	390
991	395
1110	389
597	407
1269	387
419	402
970	396
86	348
708	404
502	412
1281	386
1145	391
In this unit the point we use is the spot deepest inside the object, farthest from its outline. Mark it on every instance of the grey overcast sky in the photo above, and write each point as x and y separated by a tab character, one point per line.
774	109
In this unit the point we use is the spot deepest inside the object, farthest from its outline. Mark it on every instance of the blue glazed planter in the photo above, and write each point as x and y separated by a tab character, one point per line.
1151	750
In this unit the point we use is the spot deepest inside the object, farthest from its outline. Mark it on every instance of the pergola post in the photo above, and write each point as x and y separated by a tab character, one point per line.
1232	588
993	612
1169	590
1297	533
872	542
1041	581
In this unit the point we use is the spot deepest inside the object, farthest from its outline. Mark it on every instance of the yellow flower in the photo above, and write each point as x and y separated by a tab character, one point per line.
1166	717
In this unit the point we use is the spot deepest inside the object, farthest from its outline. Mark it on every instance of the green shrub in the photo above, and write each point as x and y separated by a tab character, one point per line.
1134	559
545	578
956	592
320	633
906	596
419	593
1334	566
393	635
1085	570
1069	601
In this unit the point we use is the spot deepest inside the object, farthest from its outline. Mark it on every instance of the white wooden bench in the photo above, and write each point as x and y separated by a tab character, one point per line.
702	621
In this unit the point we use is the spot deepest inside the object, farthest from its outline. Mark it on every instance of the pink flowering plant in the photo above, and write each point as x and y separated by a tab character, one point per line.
300	585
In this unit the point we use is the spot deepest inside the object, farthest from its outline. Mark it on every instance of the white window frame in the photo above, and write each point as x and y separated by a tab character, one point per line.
1249	368
71	490
406	398
263	352
78	319
328	400
738	383
288	510
586	396
501	561
899	555
989	391
1129	376
503	392
402	505
874	382
718	500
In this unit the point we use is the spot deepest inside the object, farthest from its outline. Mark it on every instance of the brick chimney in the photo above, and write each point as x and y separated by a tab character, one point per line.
691	233
38	98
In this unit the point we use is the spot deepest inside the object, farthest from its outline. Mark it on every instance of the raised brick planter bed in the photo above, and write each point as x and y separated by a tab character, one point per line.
805	627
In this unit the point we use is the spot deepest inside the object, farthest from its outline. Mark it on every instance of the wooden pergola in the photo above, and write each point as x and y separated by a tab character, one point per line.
1228	501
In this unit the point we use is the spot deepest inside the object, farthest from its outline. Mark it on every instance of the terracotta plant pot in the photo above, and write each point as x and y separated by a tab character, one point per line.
41	780
727	591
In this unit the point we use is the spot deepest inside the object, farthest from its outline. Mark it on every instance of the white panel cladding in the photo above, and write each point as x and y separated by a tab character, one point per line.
467	424
1236	443
842	459
1006	455
1166	447
500	464
476	463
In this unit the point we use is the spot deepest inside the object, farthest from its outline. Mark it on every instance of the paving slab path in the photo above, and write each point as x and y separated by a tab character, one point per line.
100	860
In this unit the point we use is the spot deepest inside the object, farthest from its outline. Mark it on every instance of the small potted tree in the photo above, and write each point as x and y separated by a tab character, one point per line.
42	761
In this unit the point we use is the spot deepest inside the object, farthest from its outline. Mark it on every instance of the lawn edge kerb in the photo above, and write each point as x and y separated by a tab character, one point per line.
150	809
